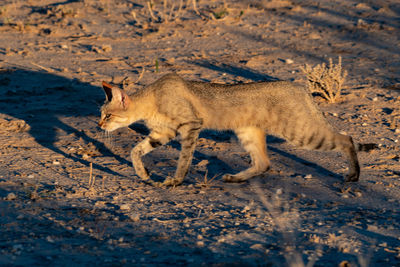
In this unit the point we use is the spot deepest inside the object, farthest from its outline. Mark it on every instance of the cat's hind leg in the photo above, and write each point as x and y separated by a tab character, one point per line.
253	141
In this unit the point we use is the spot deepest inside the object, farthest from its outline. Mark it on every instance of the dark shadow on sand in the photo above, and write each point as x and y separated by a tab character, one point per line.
41	99
235	70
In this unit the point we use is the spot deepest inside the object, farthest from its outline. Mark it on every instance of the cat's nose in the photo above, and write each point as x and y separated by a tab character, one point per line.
100	123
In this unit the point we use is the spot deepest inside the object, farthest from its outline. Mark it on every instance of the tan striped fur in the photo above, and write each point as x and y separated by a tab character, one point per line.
172	106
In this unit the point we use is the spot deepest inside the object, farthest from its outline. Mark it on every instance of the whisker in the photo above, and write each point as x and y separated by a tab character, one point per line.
110	139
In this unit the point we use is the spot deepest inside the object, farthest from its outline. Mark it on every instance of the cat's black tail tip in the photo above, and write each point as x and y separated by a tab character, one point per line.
366	147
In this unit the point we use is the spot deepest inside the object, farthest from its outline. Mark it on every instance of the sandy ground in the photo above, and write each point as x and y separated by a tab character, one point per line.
53	57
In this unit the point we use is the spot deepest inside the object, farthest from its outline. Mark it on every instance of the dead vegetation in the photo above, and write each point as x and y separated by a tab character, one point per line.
206	182
326	80
168	11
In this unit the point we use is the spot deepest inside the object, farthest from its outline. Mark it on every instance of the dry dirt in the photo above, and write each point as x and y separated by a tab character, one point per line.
69	195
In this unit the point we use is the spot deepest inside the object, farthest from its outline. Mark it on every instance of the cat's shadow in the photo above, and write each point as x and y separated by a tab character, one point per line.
42	99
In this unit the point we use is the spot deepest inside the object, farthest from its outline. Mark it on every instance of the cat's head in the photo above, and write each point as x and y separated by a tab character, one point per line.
114	112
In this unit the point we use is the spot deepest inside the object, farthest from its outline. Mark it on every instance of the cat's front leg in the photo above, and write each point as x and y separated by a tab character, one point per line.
137	152
155	139
189	133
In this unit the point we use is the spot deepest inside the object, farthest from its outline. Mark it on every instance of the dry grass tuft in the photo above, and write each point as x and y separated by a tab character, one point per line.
286	221
166	13
207	182
326	80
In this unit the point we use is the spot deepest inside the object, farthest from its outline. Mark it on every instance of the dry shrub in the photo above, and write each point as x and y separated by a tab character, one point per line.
168	10
326	80
166	13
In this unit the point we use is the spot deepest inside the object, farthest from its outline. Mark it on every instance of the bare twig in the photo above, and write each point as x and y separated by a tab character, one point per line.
166	12
43	68
170	13
195	7
206	181
140	76
151	11
91	175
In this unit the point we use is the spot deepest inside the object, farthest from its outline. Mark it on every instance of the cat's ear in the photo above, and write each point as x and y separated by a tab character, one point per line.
121	97
108	90
114	94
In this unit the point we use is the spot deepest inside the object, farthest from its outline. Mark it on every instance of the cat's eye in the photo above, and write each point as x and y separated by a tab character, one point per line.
107	116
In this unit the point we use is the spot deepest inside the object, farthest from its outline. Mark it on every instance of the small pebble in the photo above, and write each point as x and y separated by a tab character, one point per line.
246	209
106	48
125	207
257	247
289	61
200	243
361	22
308	176
11	196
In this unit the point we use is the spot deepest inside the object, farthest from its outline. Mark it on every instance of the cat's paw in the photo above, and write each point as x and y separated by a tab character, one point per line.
144	175
172	182
157	184
353	177
151	182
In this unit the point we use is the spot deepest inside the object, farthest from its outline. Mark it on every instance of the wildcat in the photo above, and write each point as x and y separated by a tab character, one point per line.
172	106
